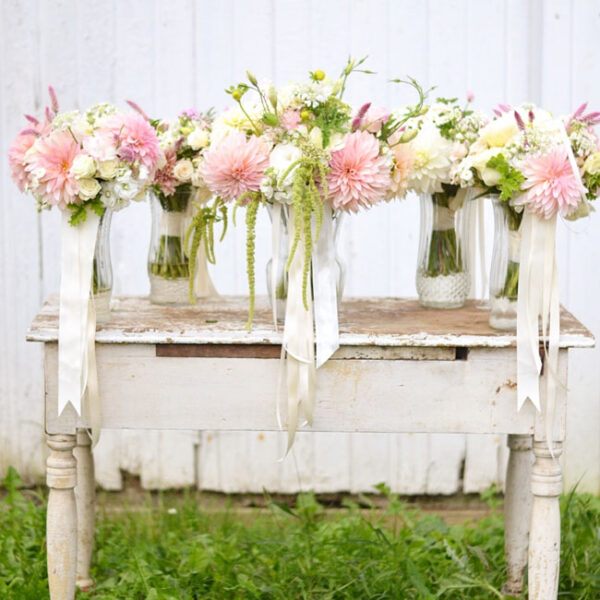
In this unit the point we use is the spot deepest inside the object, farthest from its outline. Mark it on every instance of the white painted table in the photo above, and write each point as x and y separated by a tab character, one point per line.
400	368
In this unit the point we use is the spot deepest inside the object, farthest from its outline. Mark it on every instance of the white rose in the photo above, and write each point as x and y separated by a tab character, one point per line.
592	164
336	141
83	166
107	169
199	138
183	170
282	157
88	188
500	131
316	137
490	177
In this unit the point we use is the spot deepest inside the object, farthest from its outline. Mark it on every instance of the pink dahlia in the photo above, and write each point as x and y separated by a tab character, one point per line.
359	176
164	177
16	158
50	161
235	166
136	139
551	184
290	119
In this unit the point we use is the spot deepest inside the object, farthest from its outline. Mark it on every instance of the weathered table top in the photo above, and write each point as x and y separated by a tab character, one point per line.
363	322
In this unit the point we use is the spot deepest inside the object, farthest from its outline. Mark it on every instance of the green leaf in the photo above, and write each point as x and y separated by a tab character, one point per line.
510	178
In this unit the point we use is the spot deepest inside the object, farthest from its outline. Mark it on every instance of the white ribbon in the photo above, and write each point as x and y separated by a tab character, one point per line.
203	284
77	317
276	209
325	290
298	342
443	218
476	250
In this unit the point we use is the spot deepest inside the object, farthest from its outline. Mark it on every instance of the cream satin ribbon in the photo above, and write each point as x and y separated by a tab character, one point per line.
325	290
77	318
298	344
476	250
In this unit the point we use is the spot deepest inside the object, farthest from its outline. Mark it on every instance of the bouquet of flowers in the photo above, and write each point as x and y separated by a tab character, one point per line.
83	162
178	190
429	165
304	152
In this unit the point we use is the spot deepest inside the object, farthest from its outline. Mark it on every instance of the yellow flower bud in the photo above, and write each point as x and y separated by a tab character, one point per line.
237	95
305	114
319	75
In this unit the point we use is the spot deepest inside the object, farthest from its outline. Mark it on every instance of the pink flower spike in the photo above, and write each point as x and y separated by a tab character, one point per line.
519	120
531	116
470	96
504	107
49	115
592	118
29	131
497	112
53	99
32	119
137	108
362	111
579	112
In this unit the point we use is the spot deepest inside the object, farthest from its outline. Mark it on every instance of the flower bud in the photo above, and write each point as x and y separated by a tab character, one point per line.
319	75
305	114
237	94
251	78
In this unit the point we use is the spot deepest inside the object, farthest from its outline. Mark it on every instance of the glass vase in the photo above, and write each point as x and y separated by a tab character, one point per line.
281	286
168	265
102	281
443	278
504	274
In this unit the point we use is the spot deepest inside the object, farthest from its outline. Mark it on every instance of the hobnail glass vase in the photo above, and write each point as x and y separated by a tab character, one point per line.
504	274
443	278
168	265
102	281
281	287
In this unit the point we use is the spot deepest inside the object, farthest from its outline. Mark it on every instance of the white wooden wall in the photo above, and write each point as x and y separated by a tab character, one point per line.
171	55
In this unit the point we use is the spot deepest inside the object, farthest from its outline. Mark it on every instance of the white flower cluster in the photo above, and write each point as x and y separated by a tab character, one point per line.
309	93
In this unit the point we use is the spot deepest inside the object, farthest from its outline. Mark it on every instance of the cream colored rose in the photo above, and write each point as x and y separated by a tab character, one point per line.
199	138
490	177
592	164
88	188
316	137
183	170
107	169
499	132
83	166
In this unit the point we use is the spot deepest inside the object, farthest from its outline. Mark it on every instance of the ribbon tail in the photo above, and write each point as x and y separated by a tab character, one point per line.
203	284
77	252
276	209
325	291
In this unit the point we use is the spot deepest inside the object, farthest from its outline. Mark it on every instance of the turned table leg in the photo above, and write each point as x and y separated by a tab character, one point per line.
544	539
61	523
85	496
517	511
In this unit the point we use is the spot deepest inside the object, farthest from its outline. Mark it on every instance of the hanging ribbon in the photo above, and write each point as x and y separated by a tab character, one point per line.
538	298
298	343
77	318
275	210
325	290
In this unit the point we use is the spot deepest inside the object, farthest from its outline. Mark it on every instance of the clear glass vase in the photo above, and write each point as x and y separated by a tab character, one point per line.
443	278
102	281
281	288
168	264
504	274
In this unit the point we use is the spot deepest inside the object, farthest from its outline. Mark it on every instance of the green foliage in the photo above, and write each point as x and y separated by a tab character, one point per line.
202	228
331	117
592	182
169	549
79	211
510	179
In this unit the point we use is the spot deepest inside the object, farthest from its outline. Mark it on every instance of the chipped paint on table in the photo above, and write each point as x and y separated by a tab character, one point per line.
363	322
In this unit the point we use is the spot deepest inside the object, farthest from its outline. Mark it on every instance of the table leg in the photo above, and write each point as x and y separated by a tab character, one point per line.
544	540
61	523
85	496
517	511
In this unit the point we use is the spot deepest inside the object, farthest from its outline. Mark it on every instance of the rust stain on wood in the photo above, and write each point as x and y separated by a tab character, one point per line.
218	350
508	384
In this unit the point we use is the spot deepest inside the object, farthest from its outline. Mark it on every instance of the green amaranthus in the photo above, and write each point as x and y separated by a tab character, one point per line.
201	229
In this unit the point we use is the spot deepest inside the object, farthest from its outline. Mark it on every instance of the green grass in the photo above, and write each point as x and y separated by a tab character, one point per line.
169	549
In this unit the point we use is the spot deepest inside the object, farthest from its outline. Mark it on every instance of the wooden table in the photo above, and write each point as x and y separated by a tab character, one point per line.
400	368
